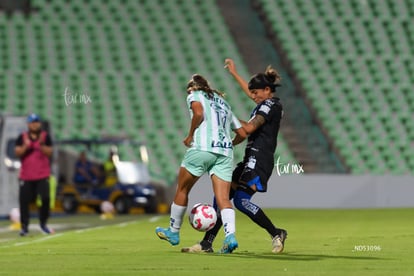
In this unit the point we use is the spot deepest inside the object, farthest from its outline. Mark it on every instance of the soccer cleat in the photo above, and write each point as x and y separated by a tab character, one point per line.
278	242
166	234
229	244
197	248
23	233
46	230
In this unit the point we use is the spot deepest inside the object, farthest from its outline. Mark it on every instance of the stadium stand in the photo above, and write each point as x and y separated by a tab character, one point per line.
354	62
307	142
98	68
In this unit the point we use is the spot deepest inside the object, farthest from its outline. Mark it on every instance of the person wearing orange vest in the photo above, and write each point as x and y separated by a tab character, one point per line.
34	147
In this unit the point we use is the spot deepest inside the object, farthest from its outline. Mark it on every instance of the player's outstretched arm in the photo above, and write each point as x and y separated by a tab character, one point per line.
253	124
240	136
229	65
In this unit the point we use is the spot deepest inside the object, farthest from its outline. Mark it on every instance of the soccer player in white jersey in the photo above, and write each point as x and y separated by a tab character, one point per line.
252	174
210	150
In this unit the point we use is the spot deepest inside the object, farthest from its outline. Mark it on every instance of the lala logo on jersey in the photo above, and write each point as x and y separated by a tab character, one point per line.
220	144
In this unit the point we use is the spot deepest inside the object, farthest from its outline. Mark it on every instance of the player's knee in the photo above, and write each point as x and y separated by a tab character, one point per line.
241	200
237	204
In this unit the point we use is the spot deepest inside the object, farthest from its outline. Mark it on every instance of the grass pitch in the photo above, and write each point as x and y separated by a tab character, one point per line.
320	242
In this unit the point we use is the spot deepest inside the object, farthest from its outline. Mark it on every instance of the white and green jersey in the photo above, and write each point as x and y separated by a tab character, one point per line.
215	132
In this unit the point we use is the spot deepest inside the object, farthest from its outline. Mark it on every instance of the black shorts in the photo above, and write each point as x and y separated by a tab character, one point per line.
243	175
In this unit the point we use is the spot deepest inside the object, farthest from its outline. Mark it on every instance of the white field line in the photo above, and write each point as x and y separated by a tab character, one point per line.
156	218
39	240
89	229
123	224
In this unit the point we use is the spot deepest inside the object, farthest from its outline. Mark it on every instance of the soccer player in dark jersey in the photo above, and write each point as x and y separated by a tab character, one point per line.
252	174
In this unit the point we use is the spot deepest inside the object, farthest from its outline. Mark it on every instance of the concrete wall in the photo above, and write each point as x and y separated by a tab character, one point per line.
324	191
12	126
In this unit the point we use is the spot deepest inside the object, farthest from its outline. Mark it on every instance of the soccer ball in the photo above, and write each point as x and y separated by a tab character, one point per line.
202	217
15	215
107	207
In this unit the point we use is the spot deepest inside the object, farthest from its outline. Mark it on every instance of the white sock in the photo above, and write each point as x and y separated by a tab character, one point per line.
228	216
176	217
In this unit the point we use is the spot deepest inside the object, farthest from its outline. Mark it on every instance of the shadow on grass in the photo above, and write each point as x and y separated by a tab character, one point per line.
292	256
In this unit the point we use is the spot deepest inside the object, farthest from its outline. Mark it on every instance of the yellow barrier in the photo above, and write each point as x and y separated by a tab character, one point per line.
52	188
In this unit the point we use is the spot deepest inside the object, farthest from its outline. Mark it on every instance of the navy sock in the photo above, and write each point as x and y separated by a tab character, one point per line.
255	213
210	235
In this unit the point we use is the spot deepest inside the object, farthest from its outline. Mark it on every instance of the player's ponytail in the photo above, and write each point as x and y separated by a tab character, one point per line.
198	82
270	78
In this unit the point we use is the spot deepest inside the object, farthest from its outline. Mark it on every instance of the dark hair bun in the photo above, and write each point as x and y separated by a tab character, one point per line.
273	76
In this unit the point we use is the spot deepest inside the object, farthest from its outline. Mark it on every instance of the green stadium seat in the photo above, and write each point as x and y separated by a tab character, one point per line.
137	82
364	52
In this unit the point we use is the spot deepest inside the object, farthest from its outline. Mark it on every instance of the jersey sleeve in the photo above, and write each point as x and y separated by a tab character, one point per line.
192	97
268	109
235	123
